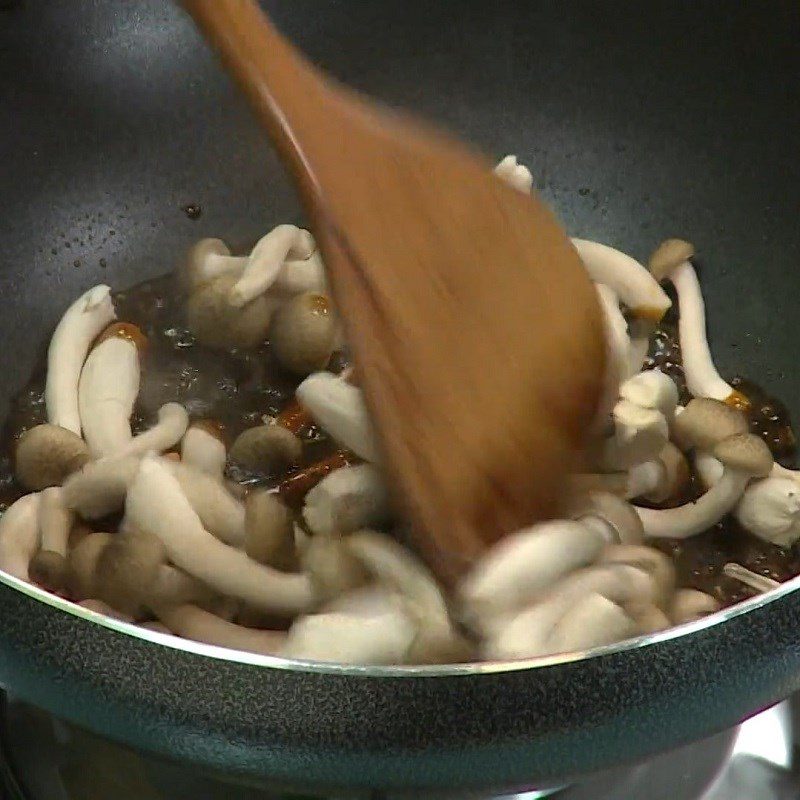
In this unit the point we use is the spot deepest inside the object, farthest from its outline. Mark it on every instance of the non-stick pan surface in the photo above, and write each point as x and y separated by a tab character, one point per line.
640	121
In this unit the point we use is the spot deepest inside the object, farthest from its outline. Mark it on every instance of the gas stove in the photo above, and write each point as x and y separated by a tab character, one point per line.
44	759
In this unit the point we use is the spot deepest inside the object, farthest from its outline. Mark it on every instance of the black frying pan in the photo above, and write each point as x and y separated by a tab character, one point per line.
640	122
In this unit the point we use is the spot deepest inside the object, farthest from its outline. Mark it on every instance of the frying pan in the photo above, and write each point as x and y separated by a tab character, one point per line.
640	121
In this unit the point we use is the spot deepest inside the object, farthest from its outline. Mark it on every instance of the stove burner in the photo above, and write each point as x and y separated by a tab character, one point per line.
44	759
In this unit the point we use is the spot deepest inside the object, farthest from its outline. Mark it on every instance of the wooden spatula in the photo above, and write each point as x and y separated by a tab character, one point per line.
475	328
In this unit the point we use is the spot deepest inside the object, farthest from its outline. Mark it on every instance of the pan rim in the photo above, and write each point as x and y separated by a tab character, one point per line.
399	670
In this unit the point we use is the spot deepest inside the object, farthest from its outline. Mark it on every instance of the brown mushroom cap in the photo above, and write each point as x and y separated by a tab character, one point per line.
303	333
49	570
82	561
47	454
269	532
216	323
618	514
192	267
676	474
668	255
704	422
746	453
266	448
126	570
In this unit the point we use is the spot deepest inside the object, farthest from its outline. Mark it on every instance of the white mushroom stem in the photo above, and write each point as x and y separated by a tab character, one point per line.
690	605
516	175
644	478
349	498
203	451
107	391
702	378
708	468
100	487
761	583
266	259
192	622
19	536
639	435
306	275
81	324
618	342
594	621
523	565
770	509
652	389
693	518
220	513
339	409
779	471
55	521
369	626
173	420
526	634
157	504
640	331
630	281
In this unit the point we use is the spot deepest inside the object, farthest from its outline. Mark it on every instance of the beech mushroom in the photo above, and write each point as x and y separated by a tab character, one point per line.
705	422
269	449
173	586
82	322
593	621
761	583
269	533
640	332
690	605
46	454
55	521
262	267
157	504
657	565
203	448
516	175
220	513
303	333
192	622
19	535
339	409
100	607
614	520
647	618
346	500
173	420
217	323
83	562
207	260
50	571
662	479
652	389
639	435
332	567
770	509
702	377
99	488
629	280
618	343
744	457
523	565
298	276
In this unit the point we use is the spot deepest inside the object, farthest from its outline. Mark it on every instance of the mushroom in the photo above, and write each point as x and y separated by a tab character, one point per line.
82	322
705	422
221	514
82	561
593	621
702	378
526	634
689	605
269	449
346	500
640	332
191	622
761	583
516	175
296	486
108	388
207	260
55	521
99	488
298	276
46	454
339	409
264	264
652	389
126	570
99	607
657	565
203	448
269	533
173	586
618	343
155	626
216	323
662	479
173	420
370	626
523	565
648	618
50	571
610	517
19	535
629	280
744	457
332	567
156	503
639	435
303	333
770	509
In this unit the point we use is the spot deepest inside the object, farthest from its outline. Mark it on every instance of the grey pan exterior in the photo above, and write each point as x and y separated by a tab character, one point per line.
640	121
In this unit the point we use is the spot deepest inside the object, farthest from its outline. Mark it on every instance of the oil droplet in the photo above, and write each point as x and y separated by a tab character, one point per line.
103	263
192	210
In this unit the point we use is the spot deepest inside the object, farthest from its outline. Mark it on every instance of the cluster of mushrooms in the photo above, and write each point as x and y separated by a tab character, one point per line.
152	528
